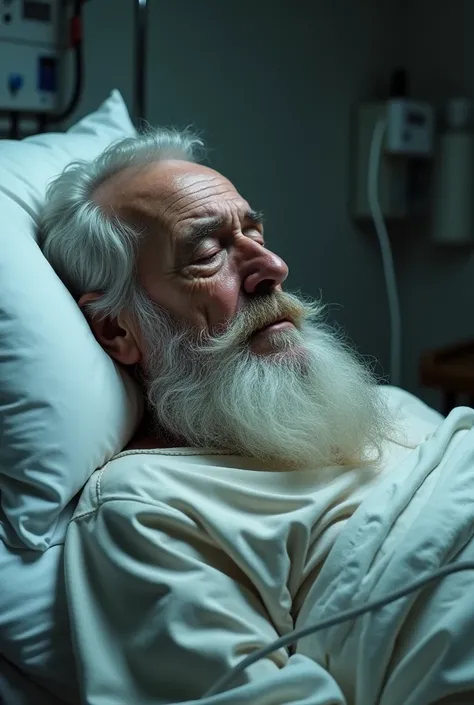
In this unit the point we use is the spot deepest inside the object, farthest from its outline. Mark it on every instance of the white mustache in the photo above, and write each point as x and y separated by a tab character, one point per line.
257	314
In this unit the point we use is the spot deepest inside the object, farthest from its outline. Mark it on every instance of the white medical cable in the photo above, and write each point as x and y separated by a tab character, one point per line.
386	250
291	638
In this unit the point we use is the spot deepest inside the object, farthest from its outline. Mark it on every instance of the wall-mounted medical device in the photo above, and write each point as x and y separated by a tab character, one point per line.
29	51
408	132
387	137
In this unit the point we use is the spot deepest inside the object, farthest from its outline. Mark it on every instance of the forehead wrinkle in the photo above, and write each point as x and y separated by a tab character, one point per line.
205	208
208	185
146	202
225	210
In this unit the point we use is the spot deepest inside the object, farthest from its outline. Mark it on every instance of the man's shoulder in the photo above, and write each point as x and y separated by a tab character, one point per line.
144	476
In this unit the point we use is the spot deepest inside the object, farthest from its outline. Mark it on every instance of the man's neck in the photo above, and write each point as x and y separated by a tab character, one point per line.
148	436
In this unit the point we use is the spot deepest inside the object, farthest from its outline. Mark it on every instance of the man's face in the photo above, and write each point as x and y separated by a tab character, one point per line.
203	256
227	359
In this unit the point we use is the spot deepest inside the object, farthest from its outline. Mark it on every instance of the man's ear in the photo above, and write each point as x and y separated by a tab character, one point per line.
116	335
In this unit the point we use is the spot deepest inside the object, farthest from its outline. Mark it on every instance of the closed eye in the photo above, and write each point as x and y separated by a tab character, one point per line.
207	259
254	233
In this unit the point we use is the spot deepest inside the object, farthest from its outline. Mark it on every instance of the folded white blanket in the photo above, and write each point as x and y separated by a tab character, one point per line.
419	649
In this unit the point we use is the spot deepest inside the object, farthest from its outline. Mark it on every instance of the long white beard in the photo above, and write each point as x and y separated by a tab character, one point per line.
308	403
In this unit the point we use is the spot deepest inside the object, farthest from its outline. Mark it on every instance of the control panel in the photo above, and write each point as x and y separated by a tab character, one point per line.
29	34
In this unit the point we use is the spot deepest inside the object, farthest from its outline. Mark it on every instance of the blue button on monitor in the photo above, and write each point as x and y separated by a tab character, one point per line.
47	74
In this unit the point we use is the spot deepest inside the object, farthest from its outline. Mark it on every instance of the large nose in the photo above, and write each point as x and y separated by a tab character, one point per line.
263	270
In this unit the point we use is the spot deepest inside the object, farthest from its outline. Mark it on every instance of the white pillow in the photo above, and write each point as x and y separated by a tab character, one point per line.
35	636
65	408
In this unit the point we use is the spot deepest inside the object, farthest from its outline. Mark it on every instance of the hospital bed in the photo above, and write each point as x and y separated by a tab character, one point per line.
65	410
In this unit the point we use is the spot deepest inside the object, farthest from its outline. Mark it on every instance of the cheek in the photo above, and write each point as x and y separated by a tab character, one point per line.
222	298
204	303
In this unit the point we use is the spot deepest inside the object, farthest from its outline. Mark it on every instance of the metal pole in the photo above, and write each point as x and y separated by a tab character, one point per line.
141	12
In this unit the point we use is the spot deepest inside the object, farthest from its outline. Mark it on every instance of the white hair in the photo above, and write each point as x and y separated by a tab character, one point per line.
89	248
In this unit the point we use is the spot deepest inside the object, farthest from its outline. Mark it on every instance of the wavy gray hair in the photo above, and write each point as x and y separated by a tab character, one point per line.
90	249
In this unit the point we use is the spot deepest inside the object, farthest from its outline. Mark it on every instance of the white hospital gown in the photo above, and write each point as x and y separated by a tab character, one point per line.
181	562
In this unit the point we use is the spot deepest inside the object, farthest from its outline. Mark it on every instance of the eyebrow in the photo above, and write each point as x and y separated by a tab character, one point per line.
204	227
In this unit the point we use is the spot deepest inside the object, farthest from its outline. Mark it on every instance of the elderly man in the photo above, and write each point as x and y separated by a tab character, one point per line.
272	483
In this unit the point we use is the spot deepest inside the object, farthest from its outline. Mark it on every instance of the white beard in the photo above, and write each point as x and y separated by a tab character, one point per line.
309	403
